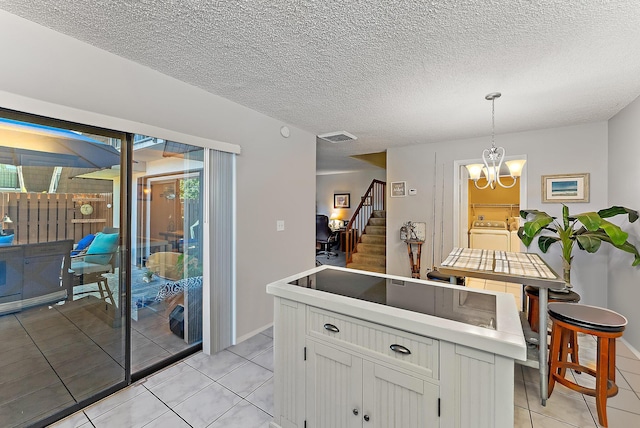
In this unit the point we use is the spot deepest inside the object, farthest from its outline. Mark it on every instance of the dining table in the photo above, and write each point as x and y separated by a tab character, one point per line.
519	268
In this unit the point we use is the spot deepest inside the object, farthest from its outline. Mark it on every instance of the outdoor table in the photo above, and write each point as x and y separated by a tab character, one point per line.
520	268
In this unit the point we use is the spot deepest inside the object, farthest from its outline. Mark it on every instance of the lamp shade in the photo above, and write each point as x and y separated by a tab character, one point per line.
515	167
475	170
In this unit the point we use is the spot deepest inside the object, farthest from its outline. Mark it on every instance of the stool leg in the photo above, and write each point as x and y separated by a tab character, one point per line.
603	365
612	360
565	341
574	349
554	355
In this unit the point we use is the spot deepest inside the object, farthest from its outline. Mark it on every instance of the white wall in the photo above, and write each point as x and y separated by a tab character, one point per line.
624	176
572	149
355	183
48	73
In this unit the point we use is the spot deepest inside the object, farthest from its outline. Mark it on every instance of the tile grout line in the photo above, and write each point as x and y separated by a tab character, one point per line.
169	407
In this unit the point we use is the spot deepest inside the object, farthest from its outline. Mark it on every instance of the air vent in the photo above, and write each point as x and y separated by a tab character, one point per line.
337	137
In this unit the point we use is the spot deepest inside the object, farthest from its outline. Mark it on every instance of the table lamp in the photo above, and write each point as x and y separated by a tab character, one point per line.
335	222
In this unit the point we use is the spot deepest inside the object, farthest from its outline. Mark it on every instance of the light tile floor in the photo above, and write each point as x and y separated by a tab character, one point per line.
53	356
231	389
234	388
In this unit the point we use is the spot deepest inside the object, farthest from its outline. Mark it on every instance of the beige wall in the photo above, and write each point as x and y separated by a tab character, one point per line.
624	189
48	73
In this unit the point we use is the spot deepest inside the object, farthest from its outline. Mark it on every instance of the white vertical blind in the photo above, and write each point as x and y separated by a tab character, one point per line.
219	217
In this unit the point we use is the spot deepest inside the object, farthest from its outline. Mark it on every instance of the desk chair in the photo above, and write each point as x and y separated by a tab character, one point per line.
325	236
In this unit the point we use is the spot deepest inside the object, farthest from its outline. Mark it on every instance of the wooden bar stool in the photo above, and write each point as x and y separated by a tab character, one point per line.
534	304
533	307
606	326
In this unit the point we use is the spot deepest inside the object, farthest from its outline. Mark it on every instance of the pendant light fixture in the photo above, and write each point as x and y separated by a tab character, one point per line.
493	158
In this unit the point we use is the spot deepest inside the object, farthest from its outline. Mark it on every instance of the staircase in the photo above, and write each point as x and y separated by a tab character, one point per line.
371	249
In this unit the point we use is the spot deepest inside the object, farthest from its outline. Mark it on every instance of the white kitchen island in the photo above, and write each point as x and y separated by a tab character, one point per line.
358	349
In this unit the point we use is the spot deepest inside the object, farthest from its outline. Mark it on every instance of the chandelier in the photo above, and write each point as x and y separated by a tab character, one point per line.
493	158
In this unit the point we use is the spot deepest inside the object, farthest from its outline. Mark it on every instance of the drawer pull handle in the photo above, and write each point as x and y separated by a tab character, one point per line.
400	349
332	328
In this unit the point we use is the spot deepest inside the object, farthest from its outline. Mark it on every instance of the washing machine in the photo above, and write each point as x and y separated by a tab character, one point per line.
490	235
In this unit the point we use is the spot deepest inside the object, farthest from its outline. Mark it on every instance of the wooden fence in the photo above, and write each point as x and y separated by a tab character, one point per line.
45	217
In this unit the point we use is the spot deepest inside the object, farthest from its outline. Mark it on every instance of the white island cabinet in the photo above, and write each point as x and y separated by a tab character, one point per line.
357	349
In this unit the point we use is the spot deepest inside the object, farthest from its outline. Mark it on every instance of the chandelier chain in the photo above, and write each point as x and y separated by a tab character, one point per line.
493	123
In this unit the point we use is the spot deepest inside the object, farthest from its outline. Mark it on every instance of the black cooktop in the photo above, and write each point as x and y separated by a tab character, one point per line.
457	304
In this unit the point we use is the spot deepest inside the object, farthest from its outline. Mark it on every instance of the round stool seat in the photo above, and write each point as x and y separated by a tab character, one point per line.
555	296
588	317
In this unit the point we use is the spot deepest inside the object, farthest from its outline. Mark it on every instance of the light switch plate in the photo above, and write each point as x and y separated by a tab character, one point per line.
279	225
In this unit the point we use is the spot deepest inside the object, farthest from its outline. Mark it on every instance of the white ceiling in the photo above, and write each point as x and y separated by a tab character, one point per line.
392	72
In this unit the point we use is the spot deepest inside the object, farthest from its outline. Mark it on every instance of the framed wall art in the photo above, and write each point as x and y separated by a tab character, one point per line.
565	188
341	200
398	189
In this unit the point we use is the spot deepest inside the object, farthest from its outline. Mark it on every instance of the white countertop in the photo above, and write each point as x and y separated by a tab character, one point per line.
506	340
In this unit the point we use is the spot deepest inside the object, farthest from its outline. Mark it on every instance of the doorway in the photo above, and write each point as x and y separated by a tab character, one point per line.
464	212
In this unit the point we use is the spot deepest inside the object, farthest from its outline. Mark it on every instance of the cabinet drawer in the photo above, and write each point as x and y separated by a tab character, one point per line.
417	353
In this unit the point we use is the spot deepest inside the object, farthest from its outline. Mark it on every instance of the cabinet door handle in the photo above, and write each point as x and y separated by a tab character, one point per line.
400	349
355	412
331	328
366	418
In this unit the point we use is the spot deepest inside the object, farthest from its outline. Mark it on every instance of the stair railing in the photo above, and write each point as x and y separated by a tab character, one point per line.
373	200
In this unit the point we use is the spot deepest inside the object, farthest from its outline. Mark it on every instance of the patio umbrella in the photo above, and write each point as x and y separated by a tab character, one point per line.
28	144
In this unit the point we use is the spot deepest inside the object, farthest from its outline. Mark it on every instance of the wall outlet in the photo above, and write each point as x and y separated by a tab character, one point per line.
279	225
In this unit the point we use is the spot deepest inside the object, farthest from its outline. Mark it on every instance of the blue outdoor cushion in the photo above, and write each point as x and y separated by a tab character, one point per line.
83	243
6	239
102	248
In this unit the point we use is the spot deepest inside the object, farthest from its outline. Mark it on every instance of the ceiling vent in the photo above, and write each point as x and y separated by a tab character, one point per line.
337	137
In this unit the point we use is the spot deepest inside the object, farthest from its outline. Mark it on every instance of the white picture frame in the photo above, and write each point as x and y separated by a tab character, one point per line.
398	189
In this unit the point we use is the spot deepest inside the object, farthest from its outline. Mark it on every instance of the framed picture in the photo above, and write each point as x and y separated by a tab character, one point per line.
398	189
366	202
341	200
565	188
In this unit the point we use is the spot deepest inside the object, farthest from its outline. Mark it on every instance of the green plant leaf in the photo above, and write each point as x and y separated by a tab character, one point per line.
617	235
565	216
538	221
590	220
588	242
526	240
616	210
544	242
626	246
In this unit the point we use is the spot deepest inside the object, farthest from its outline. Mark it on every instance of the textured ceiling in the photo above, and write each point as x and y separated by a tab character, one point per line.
392	72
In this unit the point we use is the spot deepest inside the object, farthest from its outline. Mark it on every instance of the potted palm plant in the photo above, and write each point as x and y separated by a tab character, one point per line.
588	230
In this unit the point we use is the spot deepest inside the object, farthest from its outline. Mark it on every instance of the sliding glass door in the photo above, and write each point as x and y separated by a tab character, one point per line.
167	258
104	252
62	327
